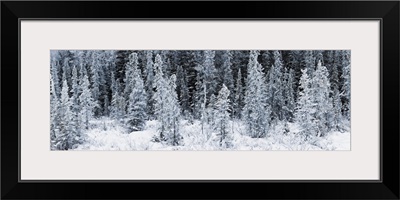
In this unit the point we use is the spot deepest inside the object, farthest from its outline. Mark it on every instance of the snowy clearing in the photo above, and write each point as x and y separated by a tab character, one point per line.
108	134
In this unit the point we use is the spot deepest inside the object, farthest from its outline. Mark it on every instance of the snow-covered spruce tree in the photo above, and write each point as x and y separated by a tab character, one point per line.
188	60
205	81
308	62
345	90
66	137
167	66
209	71
114	112
329	59
108	66
117	109
166	106
55	93
172	136
238	99
314	106
66	63
335	117
226	72
288	93
136	111
149	74
200	96
240	59
210	117
103	60
54	113
275	90
160	97
266	60
222	117
322	102
114	88
333	71
83	58
130	67
55	77
336	113
318	54
87	103
183	91
121	58
118	103
95	83
75	107
82	71
200	110
255	111
293	62
306	108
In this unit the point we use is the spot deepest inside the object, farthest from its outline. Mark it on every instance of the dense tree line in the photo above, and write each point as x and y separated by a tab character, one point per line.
260	88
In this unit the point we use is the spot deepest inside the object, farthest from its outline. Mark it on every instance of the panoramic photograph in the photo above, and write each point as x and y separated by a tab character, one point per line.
200	100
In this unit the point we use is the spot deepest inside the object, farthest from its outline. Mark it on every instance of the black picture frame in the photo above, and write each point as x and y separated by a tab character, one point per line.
386	11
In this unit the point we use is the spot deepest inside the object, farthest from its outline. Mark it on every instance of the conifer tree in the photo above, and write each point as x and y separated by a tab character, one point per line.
267	60
167	106
183	91
208	70
54	115
160	97
167	66
75	104
205	81
322	101
118	103
336	113
149	74
288	94
131	65
305	109
222	116
314	105
308	62
201	105
255	111
66	137
200	96
95	83
226	73
66	61
173	136
275	95
136	111
87	103
55	78
210	116
345	90
238	100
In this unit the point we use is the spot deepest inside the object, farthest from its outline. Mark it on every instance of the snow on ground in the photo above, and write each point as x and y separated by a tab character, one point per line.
108	134
339	141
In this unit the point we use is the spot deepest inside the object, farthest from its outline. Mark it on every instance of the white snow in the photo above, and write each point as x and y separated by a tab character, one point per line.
108	134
